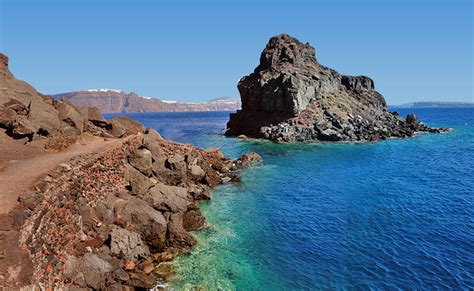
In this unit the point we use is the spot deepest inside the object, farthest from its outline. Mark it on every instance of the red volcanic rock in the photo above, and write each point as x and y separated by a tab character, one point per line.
110	215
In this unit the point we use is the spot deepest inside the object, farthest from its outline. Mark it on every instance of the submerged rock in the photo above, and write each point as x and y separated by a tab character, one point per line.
291	97
248	160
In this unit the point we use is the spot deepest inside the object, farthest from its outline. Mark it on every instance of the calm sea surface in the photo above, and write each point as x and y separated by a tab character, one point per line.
397	214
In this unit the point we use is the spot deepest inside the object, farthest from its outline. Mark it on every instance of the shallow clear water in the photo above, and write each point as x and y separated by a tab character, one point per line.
386	215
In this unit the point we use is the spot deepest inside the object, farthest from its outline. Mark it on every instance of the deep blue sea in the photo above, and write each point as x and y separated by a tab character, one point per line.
396	214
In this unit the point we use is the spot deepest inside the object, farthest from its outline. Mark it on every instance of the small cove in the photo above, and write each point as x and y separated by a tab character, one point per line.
392	214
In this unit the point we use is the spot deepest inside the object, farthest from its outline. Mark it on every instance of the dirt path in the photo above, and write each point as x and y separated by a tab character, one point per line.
20	167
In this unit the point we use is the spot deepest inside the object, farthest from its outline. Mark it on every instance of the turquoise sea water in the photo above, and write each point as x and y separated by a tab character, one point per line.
397	214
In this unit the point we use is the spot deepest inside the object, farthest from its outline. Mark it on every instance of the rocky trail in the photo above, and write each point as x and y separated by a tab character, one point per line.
94	203
21	166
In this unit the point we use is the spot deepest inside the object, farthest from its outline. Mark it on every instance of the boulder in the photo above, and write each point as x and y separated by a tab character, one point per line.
197	172
212	178
117	131
142	281
176	162
139	216
94	115
95	270
357	84
121	275
248	160
88	271
169	198
97	263
141	159
44	115
69	114
412	119
127	244
126	125
20	126
170	170
330	135
155	135
193	220
138	182
178	236
148	267
105	213
17	106
167	271
150	142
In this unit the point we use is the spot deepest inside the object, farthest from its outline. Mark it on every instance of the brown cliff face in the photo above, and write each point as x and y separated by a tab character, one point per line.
291	97
4	71
112	217
34	117
116	101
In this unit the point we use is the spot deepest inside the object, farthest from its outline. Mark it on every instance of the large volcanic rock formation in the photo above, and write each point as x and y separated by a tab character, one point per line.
291	97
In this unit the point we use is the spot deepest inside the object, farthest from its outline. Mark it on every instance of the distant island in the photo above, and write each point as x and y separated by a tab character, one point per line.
435	104
118	101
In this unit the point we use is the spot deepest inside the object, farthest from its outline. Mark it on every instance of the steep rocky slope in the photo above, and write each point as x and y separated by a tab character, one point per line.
291	97
116	218
111	218
36	118
117	101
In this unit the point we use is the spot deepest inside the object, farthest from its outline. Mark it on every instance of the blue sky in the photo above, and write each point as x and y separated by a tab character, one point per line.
197	50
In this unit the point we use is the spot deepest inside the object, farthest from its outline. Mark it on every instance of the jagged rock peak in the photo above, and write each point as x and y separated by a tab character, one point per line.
3	60
291	97
4	71
284	48
289	77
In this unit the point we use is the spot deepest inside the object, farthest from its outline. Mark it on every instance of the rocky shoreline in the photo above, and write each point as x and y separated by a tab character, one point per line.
290	97
109	219
116	218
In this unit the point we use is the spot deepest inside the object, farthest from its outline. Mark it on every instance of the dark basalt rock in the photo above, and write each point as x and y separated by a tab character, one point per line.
412	119
291	97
